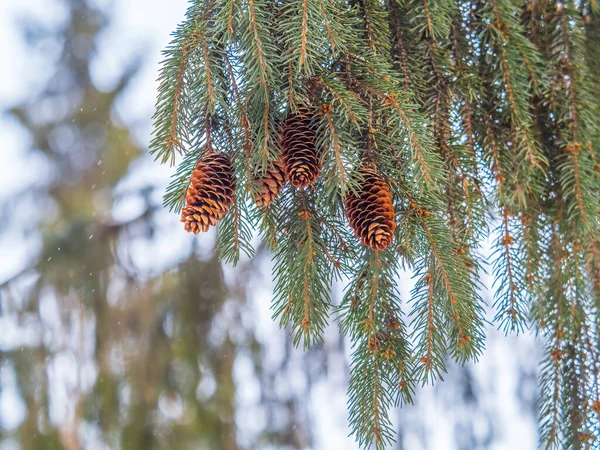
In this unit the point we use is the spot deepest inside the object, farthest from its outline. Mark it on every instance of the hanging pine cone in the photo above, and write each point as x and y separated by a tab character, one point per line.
210	194
371	213
299	148
269	184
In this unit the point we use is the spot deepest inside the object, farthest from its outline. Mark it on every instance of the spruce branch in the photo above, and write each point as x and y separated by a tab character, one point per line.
429	330
457	114
509	297
304	270
382	371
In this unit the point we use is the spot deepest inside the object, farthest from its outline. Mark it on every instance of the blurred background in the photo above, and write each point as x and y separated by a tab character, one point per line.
120	331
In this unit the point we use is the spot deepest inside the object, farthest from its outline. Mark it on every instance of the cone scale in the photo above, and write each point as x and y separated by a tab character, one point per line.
371	212
270	184
300	156
210	194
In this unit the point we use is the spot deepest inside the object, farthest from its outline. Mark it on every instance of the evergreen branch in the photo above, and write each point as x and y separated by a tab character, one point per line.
577	176
462	305
515	109
430	29
235	234
173	142
429	93
576	165
354	111
529	66
447	284
259	57
304	32
259	45
210	89
340	239
368	26
428	330
335	142
381	369
168	139
302	282
469	127
338	156
552	424
174	197
330	33
266	137
170	119
414	140
510	310
230	17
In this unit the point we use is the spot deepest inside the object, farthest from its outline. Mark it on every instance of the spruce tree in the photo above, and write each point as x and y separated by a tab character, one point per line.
408	133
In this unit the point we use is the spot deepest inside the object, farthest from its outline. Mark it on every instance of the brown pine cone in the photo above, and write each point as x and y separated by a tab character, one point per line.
371	213
210	194
269	184
300	155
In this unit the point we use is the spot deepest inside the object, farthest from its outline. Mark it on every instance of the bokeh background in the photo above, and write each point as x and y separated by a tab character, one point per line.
120	331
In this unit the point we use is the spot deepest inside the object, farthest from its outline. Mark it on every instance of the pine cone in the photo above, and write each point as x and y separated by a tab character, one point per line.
210	194
371	214
269	184
299	148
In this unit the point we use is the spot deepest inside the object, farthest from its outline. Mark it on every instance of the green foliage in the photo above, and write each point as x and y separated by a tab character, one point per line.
304	268
382	370
474	113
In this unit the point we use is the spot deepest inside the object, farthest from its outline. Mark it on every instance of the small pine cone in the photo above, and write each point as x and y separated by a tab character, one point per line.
210	194
269	184
300	156
371	213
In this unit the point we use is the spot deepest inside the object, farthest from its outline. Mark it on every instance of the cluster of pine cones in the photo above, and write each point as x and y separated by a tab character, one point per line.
212	185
